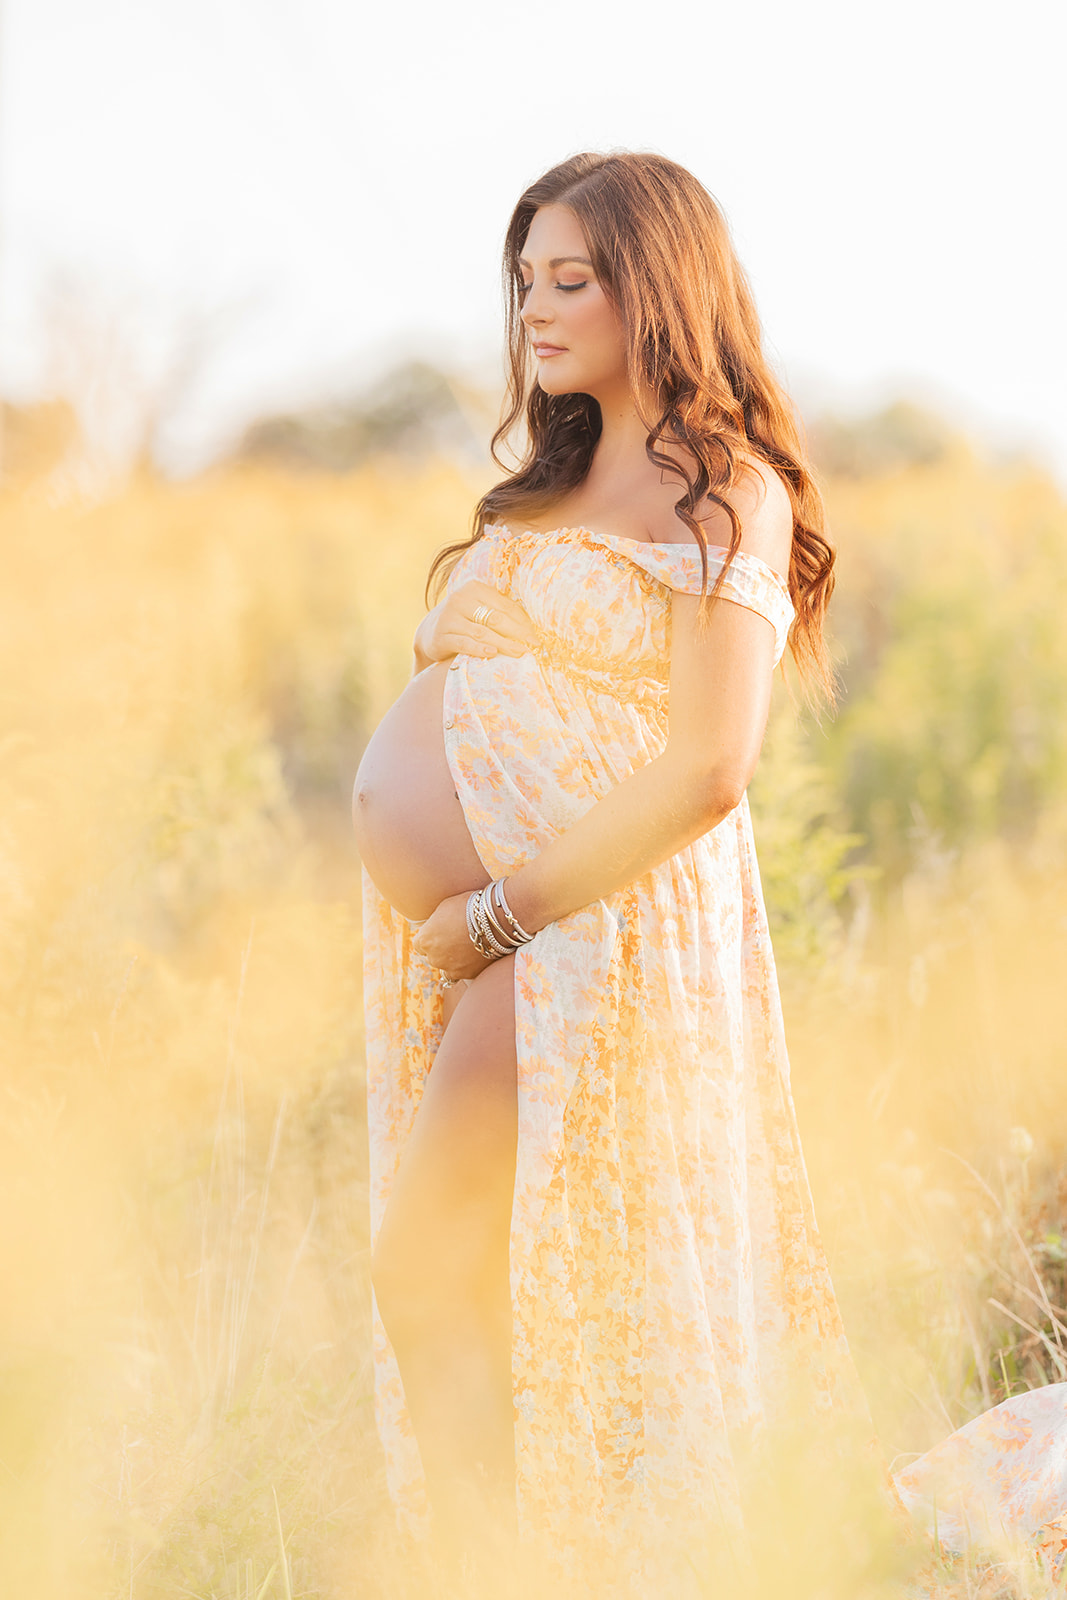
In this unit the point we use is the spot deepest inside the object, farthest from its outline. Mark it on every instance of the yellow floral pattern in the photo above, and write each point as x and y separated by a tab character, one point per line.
669	1288
1001	1481
671	1299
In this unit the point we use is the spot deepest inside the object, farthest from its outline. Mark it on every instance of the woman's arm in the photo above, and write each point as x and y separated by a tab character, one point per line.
720	687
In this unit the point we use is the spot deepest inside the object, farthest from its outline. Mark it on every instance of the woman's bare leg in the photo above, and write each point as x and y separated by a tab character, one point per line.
441	1263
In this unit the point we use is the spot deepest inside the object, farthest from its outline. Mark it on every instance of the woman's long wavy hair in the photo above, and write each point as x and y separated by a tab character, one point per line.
662	251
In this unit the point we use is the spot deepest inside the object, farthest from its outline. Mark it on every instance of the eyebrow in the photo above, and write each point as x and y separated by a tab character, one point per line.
558	261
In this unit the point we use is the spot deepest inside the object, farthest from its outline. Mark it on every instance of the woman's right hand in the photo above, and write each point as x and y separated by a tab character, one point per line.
450	629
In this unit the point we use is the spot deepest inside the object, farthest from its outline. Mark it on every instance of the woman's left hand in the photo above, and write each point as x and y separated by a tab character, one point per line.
444	941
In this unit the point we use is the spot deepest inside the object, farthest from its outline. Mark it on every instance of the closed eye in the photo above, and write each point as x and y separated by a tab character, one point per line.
565	288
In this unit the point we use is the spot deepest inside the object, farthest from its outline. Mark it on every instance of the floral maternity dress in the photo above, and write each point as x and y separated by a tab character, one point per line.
665	1264
670	1293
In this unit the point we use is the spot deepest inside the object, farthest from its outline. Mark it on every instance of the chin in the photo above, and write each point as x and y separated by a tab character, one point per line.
552	383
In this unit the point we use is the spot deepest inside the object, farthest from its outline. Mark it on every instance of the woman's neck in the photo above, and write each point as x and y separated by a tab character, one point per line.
620	450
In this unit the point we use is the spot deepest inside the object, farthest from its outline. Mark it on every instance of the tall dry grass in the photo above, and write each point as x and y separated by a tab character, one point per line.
188	675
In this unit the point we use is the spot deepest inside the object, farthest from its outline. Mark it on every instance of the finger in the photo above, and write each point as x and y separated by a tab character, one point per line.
487	641
510	636
466	644
508	616
498	641
496	630
511	621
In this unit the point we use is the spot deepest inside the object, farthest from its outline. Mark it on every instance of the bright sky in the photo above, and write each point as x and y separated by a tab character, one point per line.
310	188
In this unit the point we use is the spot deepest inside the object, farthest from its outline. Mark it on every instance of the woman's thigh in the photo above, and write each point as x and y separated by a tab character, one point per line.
450	1205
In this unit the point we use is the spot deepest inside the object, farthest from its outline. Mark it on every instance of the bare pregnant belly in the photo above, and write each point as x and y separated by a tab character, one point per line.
410	828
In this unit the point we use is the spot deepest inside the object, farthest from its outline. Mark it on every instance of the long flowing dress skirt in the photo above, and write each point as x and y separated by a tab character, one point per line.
671	1298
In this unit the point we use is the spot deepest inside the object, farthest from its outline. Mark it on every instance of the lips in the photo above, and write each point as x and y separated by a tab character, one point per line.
549	350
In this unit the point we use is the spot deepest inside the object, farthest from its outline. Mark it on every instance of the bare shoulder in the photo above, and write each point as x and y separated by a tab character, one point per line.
762	502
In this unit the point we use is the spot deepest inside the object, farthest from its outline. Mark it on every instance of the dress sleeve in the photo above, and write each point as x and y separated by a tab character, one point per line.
749	582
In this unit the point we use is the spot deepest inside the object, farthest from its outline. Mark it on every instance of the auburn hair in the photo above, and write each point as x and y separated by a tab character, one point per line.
661	250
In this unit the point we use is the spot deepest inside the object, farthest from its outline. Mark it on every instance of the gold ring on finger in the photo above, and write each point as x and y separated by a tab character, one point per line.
482	615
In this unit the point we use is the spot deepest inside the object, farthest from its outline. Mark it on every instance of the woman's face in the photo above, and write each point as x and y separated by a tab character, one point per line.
574	333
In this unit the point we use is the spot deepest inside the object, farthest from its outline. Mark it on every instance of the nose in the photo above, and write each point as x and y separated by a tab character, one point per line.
534	309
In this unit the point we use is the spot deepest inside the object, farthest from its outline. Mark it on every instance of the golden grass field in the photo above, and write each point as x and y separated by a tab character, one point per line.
189	672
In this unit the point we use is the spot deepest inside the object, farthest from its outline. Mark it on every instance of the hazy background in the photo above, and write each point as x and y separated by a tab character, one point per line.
285	197
249	306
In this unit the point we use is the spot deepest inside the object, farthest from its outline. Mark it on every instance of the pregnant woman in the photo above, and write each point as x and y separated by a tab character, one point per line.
595	1259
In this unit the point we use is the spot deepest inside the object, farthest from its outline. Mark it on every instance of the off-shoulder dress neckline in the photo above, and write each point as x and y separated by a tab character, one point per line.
644	544
614	538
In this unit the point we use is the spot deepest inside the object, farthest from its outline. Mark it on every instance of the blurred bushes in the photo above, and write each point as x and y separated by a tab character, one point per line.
413	413
948	617
901	436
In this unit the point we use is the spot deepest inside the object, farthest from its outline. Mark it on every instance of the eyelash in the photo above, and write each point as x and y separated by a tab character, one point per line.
565	288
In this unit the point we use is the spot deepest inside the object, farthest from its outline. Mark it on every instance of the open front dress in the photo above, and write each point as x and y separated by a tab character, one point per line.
670	1295
665	1265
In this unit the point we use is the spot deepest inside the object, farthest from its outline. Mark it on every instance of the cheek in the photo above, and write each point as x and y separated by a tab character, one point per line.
600	327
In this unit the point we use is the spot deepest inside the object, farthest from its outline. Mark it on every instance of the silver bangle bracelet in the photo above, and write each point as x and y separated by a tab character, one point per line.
481	933
499	945
473	930
493	929
519	931
503	934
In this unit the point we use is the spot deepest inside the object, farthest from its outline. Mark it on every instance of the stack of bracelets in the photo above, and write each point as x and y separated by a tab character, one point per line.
493	929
